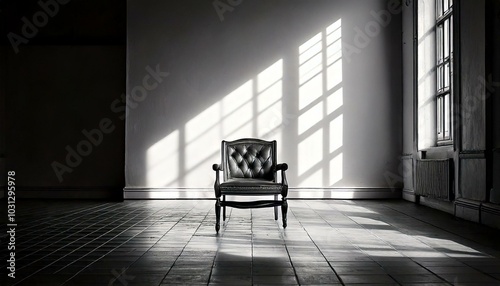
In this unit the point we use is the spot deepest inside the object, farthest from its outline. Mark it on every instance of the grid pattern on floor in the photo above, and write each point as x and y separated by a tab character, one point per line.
169	242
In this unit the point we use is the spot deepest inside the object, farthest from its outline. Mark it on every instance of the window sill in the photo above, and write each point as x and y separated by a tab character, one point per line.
438	152
445	143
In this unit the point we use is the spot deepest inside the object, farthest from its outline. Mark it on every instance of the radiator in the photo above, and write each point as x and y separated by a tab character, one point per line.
434	178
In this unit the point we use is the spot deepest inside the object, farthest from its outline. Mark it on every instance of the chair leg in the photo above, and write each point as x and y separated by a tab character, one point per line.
224	209
276	208
284	210
217	215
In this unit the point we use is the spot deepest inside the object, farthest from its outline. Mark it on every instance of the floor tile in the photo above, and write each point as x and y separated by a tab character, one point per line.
367	279
231	280
417	278
317	279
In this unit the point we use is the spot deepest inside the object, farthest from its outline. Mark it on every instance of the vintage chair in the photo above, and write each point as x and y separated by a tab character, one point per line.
249	169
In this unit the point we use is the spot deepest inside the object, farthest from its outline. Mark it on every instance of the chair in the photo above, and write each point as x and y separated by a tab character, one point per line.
249	169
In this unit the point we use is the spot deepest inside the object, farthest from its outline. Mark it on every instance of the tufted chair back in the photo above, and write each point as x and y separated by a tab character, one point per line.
249	158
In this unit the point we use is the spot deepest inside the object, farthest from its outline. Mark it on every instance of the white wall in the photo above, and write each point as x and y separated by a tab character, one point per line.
323	78
409	114
426	73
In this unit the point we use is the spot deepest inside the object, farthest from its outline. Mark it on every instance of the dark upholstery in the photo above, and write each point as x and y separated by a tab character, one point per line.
249	168
250	161
250	187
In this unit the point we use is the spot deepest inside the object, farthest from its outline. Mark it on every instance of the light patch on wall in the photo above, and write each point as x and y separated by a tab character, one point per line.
270	76
310	118
426	74
198	131
310	91
335	101
310	48
202	122
320	121
308	154
162	161
311	66
336	169
254	109
336	133
237	111
334	54
269	102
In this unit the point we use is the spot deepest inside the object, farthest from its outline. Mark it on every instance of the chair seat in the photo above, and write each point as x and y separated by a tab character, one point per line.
250	187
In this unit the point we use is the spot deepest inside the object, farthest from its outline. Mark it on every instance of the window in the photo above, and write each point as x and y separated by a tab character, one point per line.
444	71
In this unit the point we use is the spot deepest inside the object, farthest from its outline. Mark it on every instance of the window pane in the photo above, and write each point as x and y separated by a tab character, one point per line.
447	116
439	43
439	119
439	74
451	74
445	5
446	40
439	81
446	75
439	8
451	35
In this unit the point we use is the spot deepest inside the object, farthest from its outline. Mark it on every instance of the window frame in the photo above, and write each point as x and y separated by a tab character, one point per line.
445	70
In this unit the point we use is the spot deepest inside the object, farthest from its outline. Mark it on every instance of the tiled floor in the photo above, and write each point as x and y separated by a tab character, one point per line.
328	242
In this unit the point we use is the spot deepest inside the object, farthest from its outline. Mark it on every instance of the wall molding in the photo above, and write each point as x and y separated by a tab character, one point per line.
468	209
490	215
472	154
491	208
293	193
481	212
409	195
444	206
472	178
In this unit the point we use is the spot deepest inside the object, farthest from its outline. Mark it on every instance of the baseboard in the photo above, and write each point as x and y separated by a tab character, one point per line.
490	214
345	193
293	193
409	195
468	209
438	204
481	212
99	193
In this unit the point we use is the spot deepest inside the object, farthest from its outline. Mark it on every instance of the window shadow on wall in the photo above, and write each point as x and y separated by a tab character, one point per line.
297	100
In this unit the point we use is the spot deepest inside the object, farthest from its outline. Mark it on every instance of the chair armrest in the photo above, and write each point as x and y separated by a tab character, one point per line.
217	168
283	167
